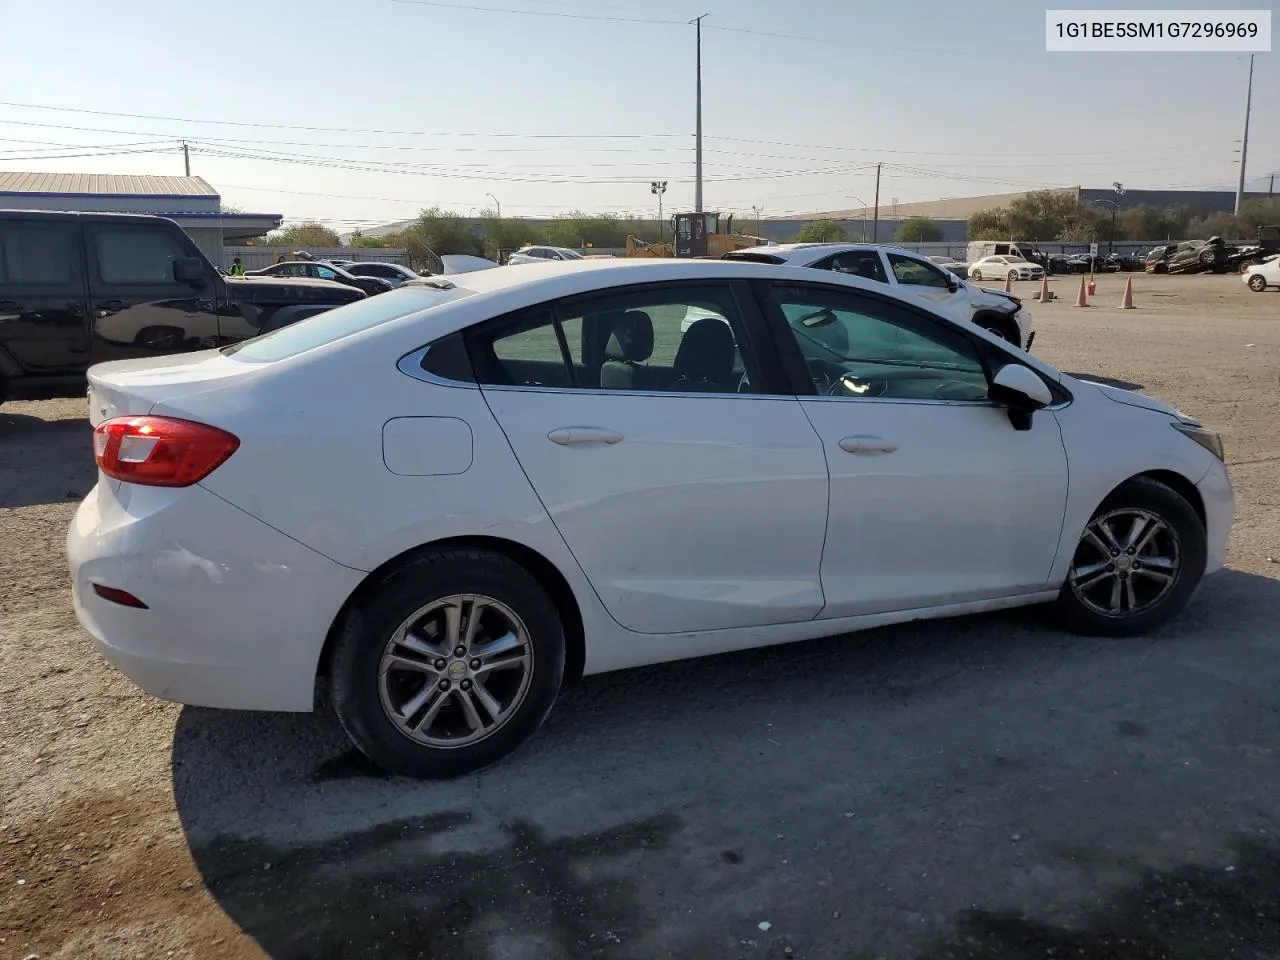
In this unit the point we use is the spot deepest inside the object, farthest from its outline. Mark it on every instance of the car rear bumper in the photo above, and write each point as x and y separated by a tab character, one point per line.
1219	513
237	612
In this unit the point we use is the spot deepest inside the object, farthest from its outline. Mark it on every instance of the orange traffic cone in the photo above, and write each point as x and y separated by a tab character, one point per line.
1008	285
1081	300
1126	302
1093	288
1045	295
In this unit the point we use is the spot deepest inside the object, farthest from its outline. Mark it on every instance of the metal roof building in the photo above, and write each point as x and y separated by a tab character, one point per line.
191	201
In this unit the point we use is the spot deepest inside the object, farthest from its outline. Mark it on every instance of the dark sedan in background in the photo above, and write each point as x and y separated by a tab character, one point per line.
320	270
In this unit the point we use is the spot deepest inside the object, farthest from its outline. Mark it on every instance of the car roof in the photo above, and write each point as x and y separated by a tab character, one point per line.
788	250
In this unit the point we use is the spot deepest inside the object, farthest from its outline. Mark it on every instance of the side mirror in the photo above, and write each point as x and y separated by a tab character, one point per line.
1022	391
189	270
953	283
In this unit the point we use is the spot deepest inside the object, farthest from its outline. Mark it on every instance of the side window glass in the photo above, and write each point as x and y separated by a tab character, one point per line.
913	272
860	263
684	340
36	253
857	347
326	274
679	340
135	255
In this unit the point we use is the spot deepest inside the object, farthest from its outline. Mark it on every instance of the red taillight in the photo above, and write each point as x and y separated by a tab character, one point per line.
160	451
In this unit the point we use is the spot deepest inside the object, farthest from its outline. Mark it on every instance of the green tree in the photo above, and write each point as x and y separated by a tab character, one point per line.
820	231
989	225
307	234
508	233
1145	222
578	229
918	230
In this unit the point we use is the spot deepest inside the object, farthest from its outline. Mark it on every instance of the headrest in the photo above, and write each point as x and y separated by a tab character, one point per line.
706	350
632	338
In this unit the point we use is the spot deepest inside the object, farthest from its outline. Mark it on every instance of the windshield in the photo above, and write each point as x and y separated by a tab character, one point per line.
572	255
341	322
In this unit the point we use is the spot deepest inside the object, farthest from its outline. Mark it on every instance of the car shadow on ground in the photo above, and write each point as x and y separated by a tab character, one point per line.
44	461
1107	381
986	786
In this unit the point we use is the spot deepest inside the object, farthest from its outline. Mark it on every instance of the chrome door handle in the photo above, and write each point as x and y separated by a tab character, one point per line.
570	435
869	445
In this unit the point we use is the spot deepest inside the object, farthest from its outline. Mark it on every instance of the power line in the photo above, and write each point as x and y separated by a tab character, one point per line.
290	126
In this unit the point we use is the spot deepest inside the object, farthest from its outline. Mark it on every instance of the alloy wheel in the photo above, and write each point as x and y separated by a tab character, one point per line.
455	670
1126	562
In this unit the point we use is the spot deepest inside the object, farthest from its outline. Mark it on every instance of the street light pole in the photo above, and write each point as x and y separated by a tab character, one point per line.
697	162
756	210
495	203
1244	144
658	188
863	204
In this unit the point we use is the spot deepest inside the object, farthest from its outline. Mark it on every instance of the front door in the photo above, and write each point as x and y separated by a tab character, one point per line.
138	307
935	497
43	309
692	498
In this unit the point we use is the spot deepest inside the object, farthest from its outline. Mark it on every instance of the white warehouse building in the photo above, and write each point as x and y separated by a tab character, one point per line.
191	201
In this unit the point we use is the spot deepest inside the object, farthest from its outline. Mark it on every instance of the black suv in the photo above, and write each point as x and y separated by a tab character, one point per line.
81	288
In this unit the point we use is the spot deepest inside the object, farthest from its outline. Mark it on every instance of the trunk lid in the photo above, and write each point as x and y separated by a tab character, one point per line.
123	388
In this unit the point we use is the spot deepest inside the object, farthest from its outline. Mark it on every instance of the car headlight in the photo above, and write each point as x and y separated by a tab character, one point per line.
1206	438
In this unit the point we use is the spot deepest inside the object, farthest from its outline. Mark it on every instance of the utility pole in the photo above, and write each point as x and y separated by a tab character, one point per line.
1272	188
1244	144
658	188
186	158
875	223
697	183
756	211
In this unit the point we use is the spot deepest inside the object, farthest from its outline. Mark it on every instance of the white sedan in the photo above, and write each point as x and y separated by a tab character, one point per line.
1259	276
438	504
997	268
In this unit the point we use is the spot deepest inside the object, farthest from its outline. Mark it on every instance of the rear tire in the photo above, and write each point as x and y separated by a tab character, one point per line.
1140	559
1257	283
976	275
1013	274
412	702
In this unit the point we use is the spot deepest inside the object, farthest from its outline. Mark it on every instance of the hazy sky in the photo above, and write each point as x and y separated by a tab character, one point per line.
550	113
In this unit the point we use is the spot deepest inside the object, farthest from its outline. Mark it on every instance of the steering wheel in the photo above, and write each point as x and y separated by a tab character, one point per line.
838	387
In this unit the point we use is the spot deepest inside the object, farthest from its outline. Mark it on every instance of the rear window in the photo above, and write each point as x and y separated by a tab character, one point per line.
341	322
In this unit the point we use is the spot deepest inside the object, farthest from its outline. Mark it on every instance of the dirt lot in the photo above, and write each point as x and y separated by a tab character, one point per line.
985	788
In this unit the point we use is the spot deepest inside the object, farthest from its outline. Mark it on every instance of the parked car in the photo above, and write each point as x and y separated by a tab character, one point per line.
527	475
957	267
1260	276
913	274
1197	256
1267	244
393	273
81	288
999	267
1157	258
542	255
321	270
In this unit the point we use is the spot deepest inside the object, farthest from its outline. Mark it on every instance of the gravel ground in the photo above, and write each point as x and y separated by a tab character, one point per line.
986	787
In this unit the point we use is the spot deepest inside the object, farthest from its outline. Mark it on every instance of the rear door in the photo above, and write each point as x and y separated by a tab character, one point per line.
137	306
693	490
43	297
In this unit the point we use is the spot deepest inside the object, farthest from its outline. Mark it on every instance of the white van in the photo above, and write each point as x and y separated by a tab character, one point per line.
978	249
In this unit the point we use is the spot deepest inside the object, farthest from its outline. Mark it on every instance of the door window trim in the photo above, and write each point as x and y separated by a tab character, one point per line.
774	380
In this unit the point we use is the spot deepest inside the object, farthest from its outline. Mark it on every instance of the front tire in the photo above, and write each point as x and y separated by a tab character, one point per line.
449	664
1138	562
